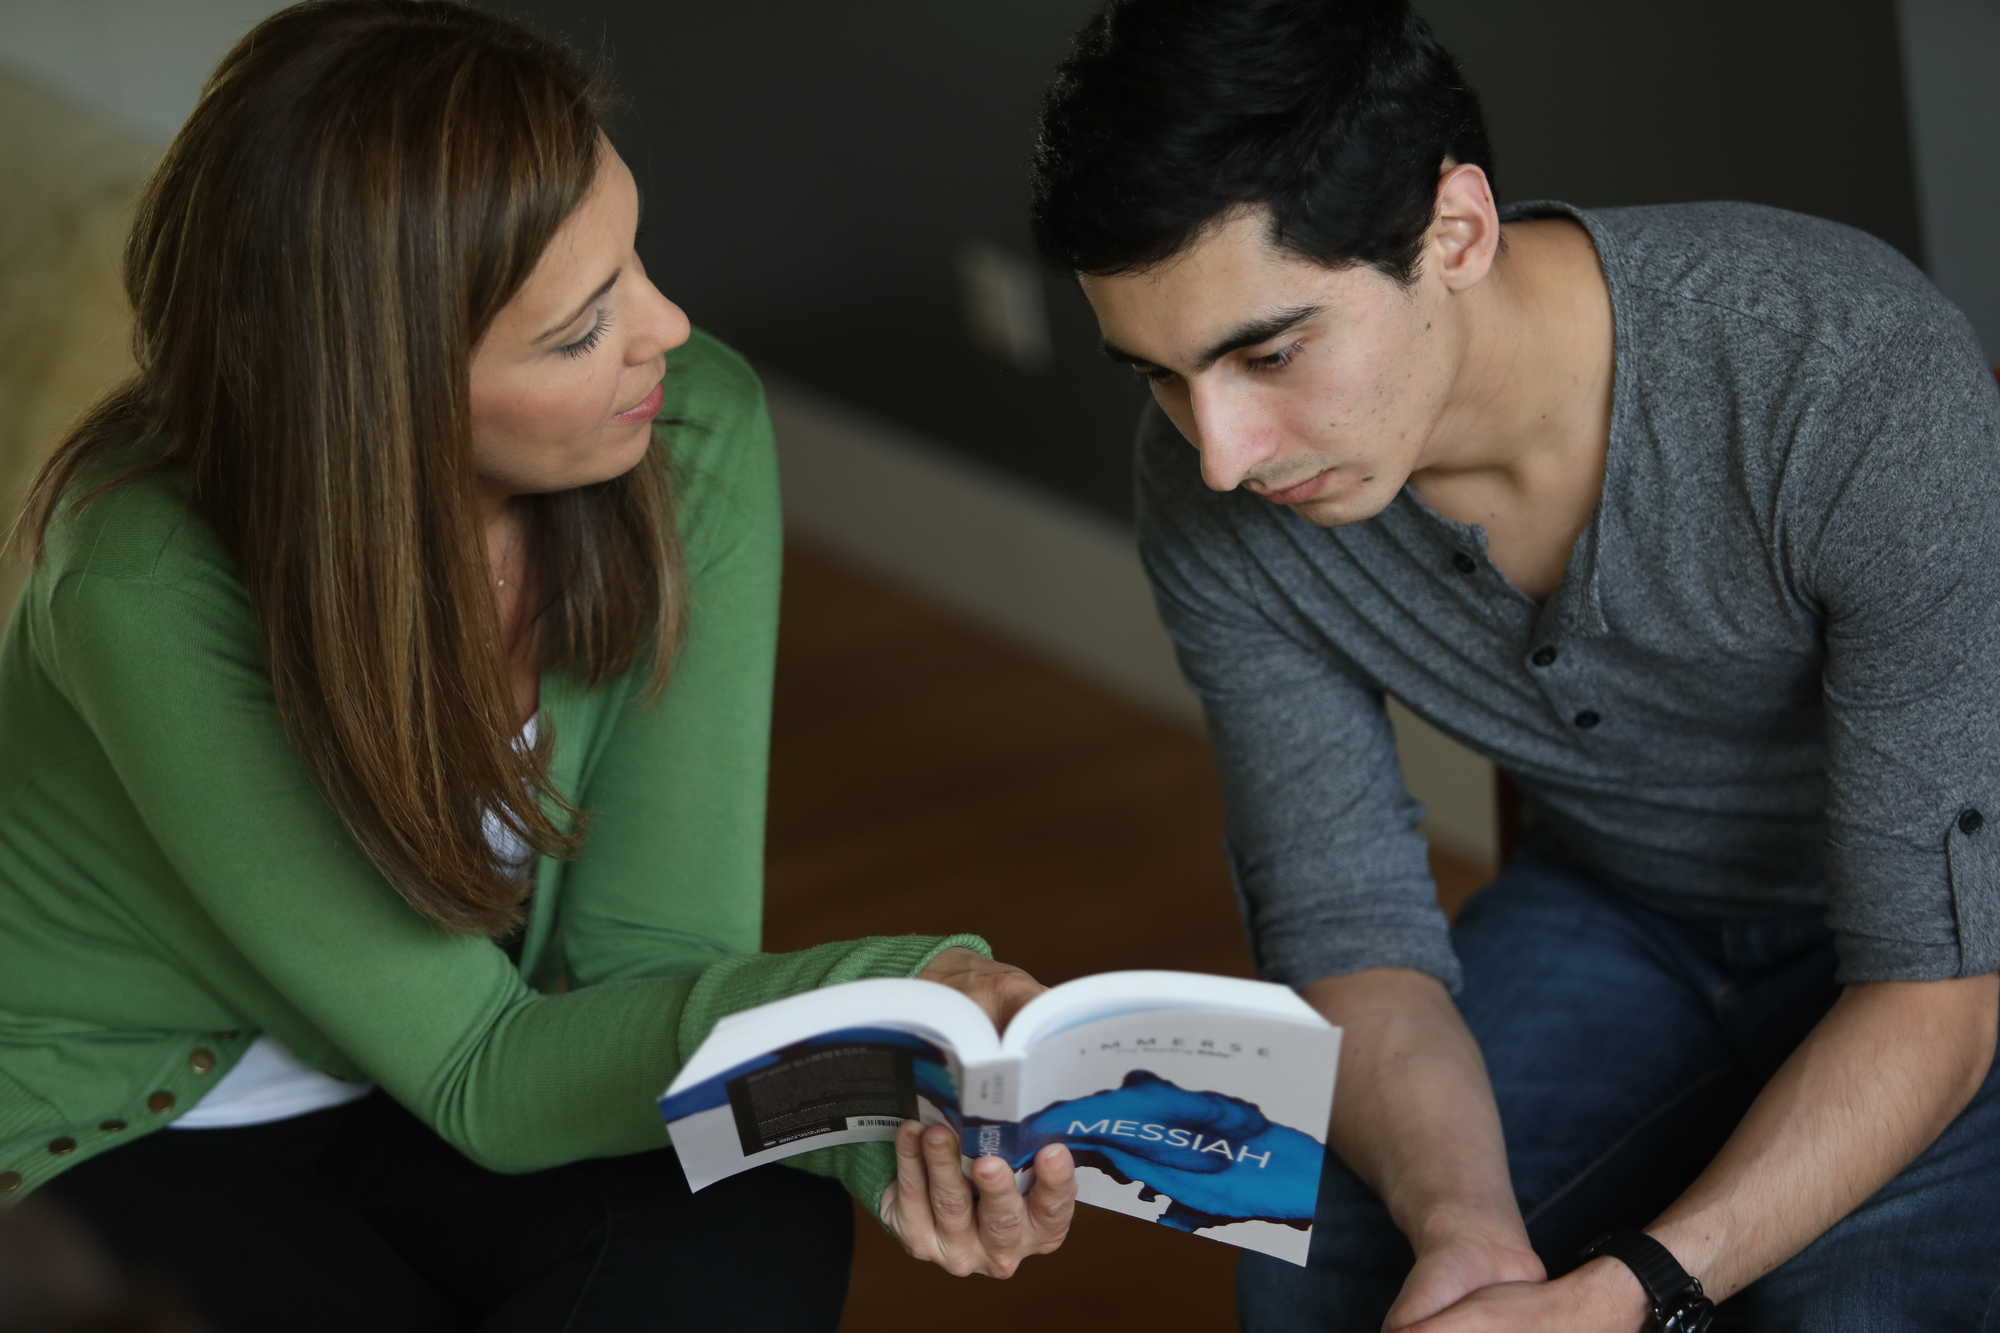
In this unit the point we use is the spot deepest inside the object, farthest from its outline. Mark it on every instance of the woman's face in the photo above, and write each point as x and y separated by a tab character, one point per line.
566	382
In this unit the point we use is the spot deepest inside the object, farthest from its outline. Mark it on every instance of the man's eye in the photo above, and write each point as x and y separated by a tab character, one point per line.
1277	360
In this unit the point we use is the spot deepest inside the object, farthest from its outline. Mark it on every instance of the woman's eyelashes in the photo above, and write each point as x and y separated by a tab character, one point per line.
583	346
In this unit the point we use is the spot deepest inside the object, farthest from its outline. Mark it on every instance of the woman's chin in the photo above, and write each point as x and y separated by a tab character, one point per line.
614	460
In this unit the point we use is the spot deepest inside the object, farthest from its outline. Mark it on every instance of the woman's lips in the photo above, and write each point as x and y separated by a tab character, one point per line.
647	407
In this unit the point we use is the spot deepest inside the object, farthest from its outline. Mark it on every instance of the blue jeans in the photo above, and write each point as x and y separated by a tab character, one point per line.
1624	1046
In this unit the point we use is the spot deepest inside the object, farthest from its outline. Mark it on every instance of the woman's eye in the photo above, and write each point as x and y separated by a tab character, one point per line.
1277	360
582	346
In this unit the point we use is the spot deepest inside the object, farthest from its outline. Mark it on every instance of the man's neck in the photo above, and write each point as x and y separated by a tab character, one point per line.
1520	449
1531	407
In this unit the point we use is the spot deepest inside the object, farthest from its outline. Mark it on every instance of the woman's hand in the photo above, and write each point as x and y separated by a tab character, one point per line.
997	988
983	1225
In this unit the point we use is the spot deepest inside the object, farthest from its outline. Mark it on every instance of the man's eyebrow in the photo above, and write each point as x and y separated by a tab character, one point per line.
588	302
1247	334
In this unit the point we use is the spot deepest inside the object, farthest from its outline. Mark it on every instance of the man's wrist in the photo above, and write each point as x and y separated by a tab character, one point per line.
1458	1224
1614	1289
1672	1297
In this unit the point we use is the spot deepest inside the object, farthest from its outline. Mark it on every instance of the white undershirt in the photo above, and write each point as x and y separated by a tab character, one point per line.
270	1083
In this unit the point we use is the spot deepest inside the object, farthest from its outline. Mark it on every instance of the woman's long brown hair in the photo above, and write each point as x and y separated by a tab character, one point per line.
363	185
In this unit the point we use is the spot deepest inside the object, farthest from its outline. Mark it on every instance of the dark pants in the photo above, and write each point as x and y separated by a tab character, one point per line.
1624	1047
361	1217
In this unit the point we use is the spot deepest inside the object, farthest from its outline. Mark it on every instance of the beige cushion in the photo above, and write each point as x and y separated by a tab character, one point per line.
72	176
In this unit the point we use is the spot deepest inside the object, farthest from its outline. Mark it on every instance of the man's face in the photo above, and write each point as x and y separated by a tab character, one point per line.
1318	389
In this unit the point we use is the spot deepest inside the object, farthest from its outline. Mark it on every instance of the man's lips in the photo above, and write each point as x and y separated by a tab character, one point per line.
1302	491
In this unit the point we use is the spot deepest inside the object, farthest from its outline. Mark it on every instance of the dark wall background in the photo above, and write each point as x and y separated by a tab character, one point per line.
812	166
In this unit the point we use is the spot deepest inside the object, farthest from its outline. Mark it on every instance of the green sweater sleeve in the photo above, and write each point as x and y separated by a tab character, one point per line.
230	859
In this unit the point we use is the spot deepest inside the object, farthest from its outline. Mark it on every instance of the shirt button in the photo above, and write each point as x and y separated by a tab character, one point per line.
160	1103
1971	822
62	1147
202	1060
1587	719
1544	656
113	1126
1463	563
9	1181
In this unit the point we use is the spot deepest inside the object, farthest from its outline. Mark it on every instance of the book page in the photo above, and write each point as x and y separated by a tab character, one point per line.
1109	994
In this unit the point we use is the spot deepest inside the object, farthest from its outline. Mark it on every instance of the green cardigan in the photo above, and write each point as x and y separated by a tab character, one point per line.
172	881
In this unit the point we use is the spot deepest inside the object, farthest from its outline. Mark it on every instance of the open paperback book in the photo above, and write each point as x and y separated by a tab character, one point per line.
1196	1101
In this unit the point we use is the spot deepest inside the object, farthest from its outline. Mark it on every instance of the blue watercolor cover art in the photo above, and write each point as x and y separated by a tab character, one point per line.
1216	1159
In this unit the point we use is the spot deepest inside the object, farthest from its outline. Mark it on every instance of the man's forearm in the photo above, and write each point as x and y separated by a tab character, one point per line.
1414	1114
1870	1088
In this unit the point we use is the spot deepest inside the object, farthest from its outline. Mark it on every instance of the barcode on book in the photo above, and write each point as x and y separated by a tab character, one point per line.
873	1122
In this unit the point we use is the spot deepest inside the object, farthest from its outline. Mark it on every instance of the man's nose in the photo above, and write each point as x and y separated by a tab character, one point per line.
1234	437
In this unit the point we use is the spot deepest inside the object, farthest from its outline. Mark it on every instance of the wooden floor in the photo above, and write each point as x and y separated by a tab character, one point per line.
928	776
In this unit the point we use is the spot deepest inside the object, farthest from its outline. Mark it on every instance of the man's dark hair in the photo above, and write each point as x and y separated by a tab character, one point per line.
1168	114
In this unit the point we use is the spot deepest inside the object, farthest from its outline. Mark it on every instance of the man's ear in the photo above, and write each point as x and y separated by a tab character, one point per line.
1465	227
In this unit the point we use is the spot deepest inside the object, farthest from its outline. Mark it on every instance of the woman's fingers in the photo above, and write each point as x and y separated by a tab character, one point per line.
907	1205
1051	1203
980	1225
1004	1231
950	1199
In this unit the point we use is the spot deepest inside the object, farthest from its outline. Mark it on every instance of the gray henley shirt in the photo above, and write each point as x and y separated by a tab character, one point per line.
1769	679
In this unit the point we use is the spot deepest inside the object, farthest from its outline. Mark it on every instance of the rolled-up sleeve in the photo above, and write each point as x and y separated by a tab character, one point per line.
1903	536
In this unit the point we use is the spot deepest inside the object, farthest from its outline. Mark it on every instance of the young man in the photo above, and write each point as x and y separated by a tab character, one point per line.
1686	518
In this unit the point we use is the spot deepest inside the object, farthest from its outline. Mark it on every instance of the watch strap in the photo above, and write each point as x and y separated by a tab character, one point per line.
1676	1296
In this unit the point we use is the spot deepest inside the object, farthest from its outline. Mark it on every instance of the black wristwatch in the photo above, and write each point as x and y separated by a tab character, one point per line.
1678	1305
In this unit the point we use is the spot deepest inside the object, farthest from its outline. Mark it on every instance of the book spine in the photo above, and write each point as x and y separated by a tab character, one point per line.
990	1090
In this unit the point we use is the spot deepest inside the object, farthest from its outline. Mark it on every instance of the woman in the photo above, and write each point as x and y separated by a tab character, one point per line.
397	699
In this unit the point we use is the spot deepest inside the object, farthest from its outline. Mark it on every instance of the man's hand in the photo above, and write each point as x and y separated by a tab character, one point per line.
1416	1120
1446	1274
984	1226
999	989
1600	1297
